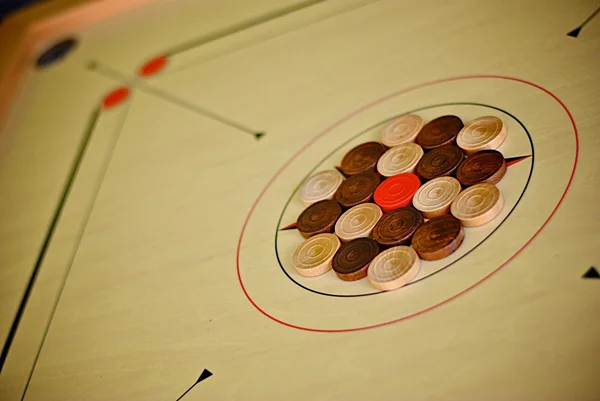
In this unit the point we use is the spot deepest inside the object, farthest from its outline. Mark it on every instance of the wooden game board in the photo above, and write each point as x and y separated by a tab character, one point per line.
146	176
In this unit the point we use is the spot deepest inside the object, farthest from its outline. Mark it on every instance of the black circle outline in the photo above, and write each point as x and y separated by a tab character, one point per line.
369	129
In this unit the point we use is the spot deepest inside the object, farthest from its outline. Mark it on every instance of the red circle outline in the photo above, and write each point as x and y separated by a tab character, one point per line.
360	110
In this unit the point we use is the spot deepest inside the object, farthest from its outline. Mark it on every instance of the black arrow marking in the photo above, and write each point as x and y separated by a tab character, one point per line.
151	90
203	376
575	32
591	273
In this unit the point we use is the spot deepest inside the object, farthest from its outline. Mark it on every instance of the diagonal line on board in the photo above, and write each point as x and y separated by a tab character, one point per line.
142	86
53	224
84	224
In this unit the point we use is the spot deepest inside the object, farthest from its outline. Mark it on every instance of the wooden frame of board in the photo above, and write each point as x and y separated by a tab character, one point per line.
25	32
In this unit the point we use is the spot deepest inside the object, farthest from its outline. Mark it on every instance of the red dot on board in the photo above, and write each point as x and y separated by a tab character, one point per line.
396	191
153	66
115	97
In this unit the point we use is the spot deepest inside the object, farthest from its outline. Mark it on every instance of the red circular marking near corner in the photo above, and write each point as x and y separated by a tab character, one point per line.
115	98
153	66
396	191
360	110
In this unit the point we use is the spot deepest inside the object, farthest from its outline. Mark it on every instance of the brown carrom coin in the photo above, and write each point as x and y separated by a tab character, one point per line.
397	228
484	166
438	237
351	261
362	158
439	132
439	162
319	218
357	189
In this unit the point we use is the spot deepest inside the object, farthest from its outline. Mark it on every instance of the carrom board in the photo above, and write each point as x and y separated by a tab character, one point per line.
151	154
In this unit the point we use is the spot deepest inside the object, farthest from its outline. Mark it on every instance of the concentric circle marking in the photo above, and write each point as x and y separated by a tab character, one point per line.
484	166
400	159
394	268
402	130
318	218
477	205
396	191
438	238
263	308
313	257
434	198
320	186
439	162
358	221
482	133
352	260
362	158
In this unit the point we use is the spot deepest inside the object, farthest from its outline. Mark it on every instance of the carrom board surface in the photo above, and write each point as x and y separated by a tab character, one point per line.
146	176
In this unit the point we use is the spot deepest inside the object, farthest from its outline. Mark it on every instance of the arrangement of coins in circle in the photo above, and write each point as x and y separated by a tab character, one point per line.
390	205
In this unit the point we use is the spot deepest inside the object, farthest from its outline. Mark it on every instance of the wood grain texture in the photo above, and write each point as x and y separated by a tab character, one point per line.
438	238
351	261
482	133
400	159
357	189
320	186
484	166
319	218
441	161
397	228
402	130
439	132
358	221
394	268
477	205
362	158
435	197
313	257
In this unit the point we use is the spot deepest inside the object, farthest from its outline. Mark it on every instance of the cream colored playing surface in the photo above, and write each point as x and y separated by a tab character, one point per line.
171	211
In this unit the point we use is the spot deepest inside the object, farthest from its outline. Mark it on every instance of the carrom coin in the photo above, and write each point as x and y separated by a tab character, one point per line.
358	221
439	132
362	158
477	205
318	218
483	166
320	186
357	189
394	268
401	130
351	261
397	228
435	197
482	133
396	191
400	159
439	162
438	237
313	257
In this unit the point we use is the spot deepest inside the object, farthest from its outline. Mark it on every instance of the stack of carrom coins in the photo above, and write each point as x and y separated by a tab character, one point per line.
391	204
